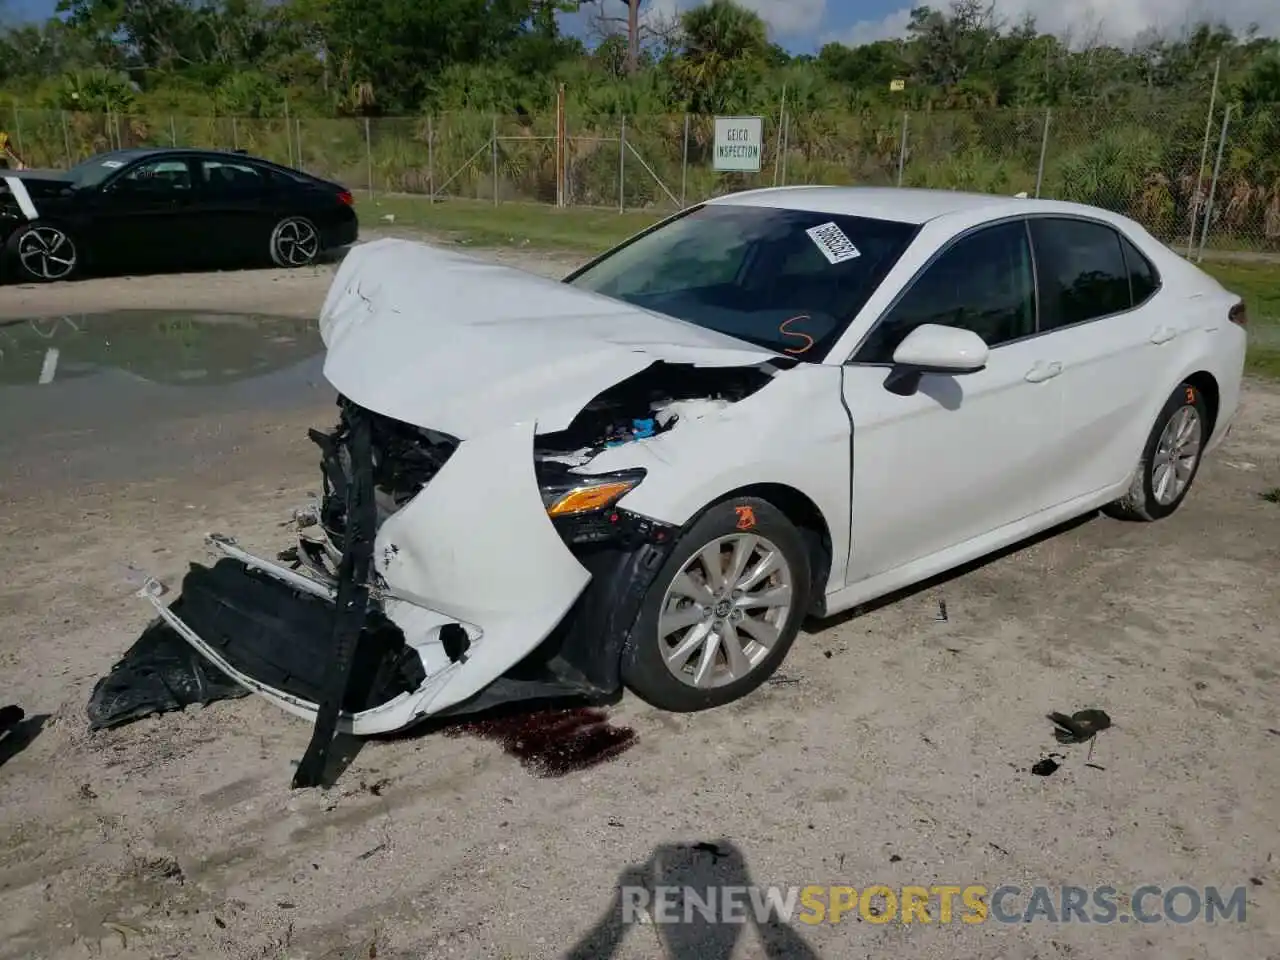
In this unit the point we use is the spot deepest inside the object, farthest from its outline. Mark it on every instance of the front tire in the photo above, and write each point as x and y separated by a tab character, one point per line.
295	242
43	253
1170	459
723	611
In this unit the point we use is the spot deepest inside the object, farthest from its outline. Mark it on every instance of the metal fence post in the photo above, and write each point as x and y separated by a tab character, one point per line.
1044	149
288	130
173	132
1213	186
368	156
622	166
17	129
1204	155
786	146
902	149
298	134
235	135
431	158
684	166
494	141
66	136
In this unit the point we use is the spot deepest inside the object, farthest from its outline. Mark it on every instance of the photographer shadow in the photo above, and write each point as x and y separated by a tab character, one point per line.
699	866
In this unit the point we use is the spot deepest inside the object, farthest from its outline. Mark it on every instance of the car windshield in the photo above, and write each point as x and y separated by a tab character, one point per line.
788	280
91	172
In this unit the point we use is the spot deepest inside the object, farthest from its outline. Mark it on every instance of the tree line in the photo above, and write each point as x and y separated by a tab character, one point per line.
254	58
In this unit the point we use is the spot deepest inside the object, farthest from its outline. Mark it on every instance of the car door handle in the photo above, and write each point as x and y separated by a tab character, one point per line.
1043	371
1163	334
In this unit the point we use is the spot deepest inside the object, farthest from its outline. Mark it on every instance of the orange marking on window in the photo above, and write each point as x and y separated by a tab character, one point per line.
782	329
746	517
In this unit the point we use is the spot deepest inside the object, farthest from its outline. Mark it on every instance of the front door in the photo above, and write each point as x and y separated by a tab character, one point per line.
144	217
967	454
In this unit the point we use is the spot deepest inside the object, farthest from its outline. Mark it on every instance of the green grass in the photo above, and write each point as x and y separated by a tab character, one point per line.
1272	495
1259	285
589	230
576	229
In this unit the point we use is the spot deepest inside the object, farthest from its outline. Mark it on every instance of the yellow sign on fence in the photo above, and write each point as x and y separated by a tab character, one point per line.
896	85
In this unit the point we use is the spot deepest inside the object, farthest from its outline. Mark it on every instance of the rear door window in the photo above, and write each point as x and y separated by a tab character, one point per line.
223	178
1081	270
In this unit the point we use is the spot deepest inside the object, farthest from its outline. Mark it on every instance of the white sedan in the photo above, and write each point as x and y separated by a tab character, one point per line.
776	404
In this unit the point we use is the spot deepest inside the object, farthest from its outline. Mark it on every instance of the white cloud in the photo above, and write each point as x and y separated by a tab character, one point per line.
785	18
790	18
1118	21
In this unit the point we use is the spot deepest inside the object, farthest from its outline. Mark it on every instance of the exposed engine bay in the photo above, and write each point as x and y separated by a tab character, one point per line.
648	404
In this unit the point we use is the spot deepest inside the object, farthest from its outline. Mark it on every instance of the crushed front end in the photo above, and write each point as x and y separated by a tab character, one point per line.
434	576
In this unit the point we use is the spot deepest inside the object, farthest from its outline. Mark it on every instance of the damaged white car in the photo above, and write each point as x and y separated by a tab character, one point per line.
776	404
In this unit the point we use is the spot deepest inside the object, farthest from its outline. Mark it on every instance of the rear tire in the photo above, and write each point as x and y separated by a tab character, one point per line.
295	242
723	611
1170	459
43	253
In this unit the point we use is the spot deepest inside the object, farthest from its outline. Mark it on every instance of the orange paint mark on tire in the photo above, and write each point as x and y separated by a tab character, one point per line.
746	517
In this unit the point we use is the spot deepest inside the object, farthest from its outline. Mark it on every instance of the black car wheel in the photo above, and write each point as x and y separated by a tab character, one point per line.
723	611
1170	459
295	242
43	253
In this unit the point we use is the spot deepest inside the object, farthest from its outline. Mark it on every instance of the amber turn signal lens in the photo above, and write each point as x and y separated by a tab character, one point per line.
588	498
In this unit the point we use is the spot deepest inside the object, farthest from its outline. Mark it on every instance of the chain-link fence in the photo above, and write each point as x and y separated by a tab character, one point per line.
1193	180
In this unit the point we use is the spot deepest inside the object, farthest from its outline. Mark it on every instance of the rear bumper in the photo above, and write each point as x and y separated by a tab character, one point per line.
342	234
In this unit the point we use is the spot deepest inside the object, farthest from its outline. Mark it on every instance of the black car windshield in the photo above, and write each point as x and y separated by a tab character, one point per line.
788	280
91	172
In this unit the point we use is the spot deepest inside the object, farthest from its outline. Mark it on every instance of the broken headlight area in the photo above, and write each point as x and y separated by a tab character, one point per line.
583	508
403	460
647	405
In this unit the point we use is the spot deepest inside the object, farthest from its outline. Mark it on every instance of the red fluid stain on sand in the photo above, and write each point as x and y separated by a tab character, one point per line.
552	743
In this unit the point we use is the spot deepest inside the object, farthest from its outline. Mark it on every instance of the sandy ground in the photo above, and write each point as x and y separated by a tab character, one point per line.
893	749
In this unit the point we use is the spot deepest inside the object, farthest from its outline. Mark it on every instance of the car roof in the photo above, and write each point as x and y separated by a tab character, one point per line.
137	153
906	205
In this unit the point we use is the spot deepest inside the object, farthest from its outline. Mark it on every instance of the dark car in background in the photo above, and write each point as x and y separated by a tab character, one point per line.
150	208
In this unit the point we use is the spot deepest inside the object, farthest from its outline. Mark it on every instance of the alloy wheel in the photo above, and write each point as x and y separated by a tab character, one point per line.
296	243
46	253
725	610
1176	455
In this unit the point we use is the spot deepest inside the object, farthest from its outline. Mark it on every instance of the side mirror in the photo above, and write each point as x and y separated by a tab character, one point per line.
932	348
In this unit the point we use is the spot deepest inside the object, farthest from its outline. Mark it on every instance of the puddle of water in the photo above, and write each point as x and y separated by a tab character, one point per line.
552	743
164	347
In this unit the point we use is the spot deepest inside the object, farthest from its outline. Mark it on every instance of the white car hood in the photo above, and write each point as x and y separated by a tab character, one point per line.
445	341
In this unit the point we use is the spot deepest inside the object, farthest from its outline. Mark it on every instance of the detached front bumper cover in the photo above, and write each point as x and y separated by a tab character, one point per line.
452	599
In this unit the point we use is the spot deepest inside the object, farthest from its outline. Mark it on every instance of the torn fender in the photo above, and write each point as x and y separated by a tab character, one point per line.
440	340
477	546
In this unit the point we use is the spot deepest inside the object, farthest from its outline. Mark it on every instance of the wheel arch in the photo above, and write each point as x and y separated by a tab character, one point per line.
1207	384
801	510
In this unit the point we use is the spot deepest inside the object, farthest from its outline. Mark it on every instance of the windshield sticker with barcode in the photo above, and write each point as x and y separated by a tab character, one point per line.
113	164
835	246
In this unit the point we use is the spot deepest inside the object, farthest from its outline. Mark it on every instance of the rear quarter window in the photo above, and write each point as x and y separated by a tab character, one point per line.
1143	279
1081	271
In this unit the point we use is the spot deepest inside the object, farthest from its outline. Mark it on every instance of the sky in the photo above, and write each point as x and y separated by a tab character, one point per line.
803	26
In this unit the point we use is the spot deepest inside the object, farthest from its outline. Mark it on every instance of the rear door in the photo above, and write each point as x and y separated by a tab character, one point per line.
964	455
1096	307
143	216
238	201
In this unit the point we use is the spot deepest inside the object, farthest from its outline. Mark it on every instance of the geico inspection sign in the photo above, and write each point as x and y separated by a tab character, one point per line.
739	144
